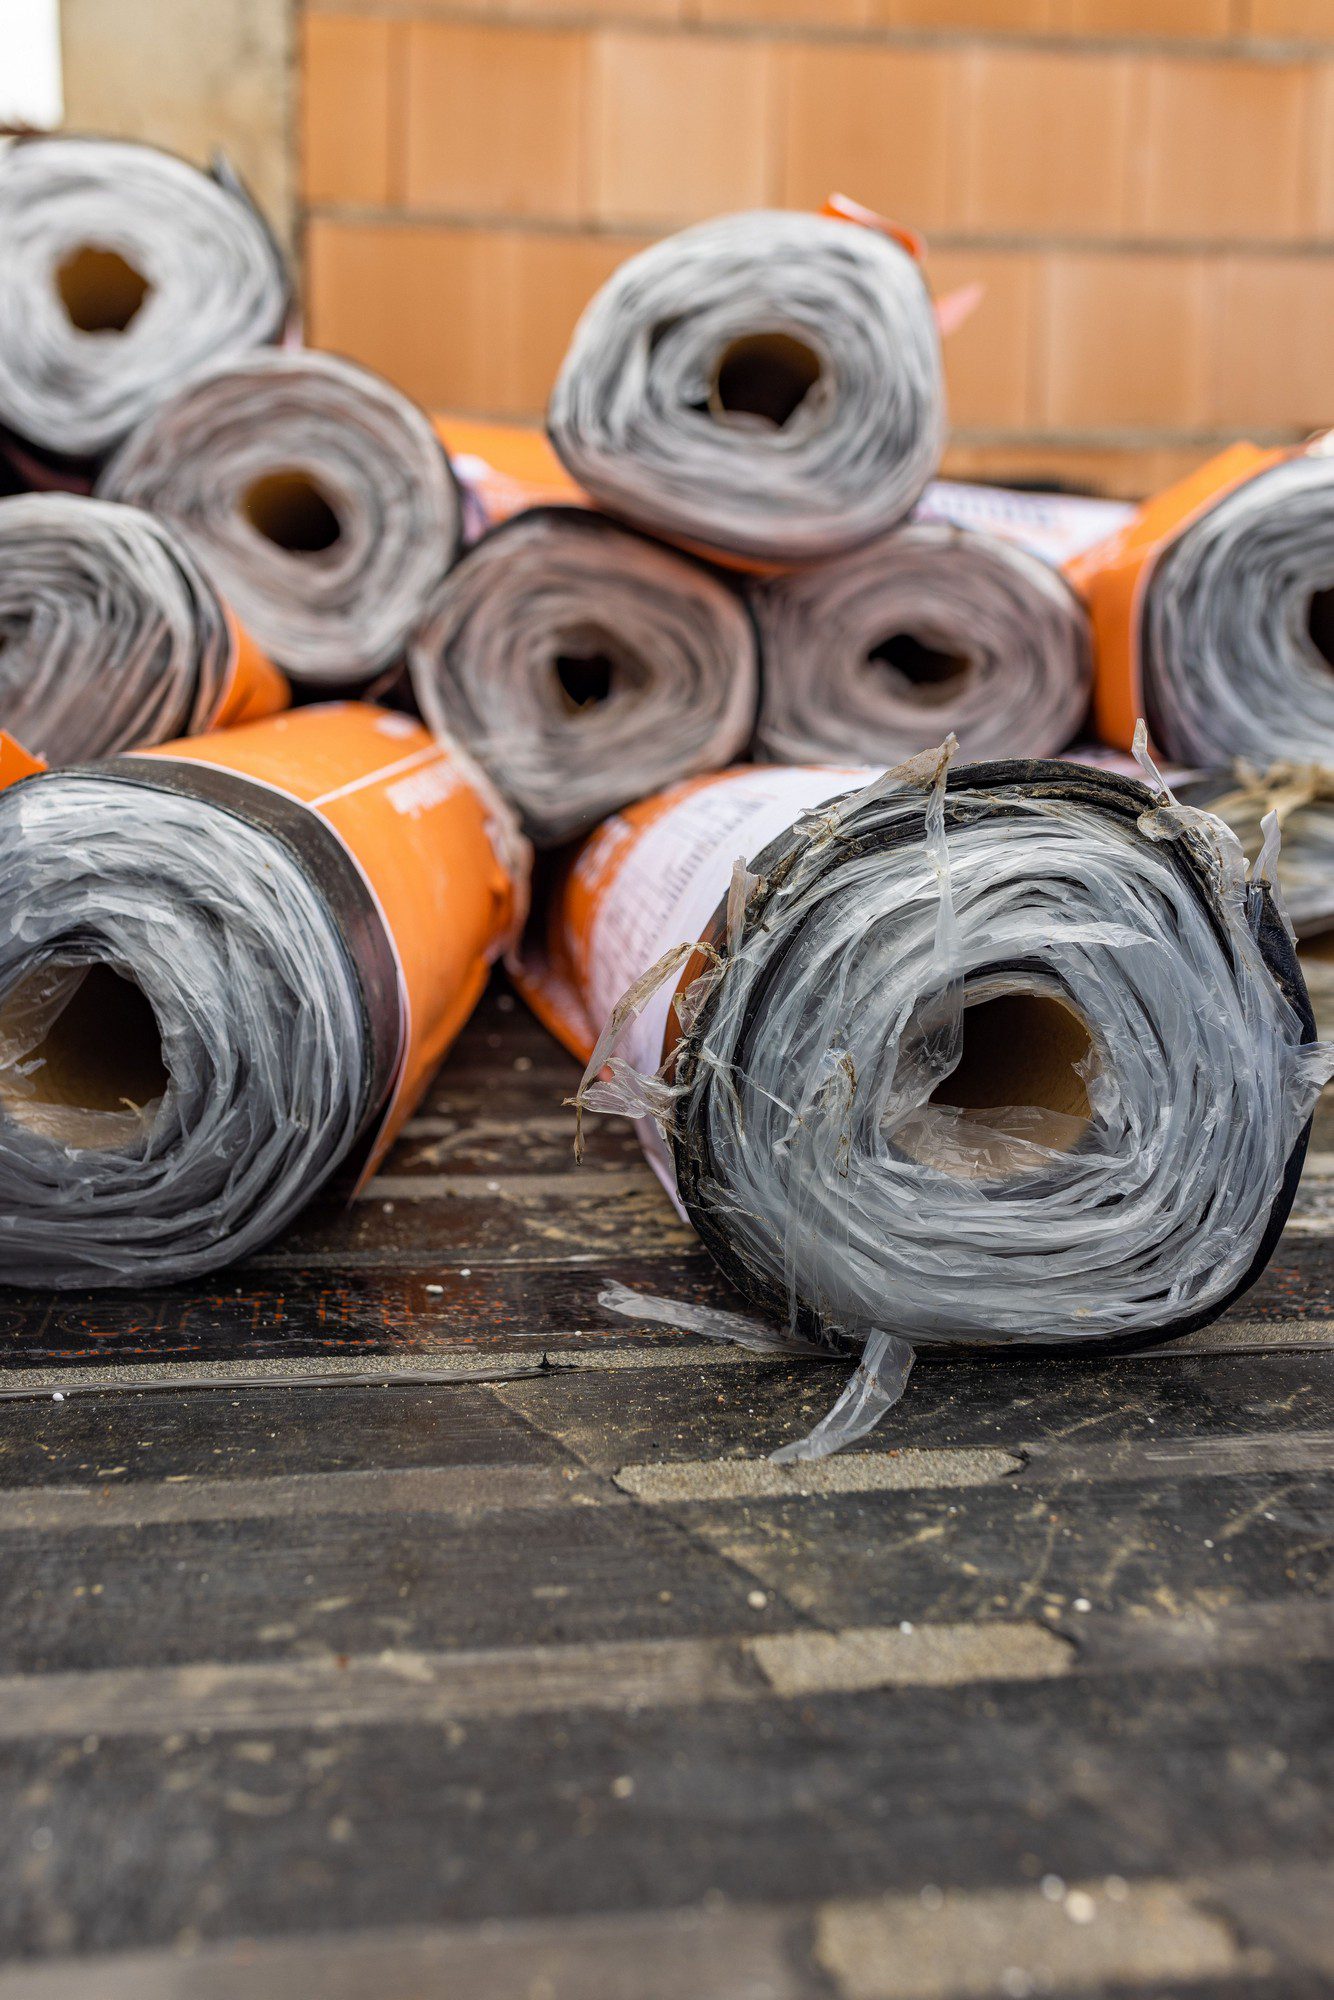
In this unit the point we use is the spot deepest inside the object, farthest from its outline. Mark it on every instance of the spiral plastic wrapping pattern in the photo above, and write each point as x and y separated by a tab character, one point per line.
810	1154
1230	666
1016	630
216	285
333	616
258	1010
630	414
111	638
558	583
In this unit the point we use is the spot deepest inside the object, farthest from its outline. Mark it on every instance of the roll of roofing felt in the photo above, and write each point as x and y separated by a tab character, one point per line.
1013	1055
125	269
1302	798
1213	613
320	499
928	629
766	385
584	666
226	967
111	636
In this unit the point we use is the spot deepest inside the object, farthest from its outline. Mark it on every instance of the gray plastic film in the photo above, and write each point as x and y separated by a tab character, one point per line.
111	637
315	493
125	269
1301	797
928	629
585	666
1238	625
184	1038
767	384
1015	1053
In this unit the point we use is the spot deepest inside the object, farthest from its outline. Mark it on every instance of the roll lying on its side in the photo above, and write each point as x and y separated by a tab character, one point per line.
224	966
316	494
111	636
928	629
584	666
125	270
765	385
1015	1053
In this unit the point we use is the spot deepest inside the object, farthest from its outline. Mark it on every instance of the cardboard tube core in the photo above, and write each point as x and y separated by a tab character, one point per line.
99	290
931	674
1020	1050
585	679
764	375
290	511
102	1052
1320	623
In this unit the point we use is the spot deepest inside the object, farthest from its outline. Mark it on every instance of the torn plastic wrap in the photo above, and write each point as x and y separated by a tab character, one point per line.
585	665
1213	613
125	269
316	494
928	629
227	968
1012	1052
767	385
111	636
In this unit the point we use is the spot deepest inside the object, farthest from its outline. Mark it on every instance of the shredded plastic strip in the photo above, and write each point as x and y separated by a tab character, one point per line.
930	628
125	270
584	666
767	384
317	495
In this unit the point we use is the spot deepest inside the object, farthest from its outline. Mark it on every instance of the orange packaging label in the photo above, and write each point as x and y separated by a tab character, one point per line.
1113	576
253	688
510	467
16	762
422	838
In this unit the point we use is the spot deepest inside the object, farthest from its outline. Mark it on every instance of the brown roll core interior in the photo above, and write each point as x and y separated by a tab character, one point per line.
290	511
100	291
932	675
103	1052
1020	1050
1320	624
585	680
765	376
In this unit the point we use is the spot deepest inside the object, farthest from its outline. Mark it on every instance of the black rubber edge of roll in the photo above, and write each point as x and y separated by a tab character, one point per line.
326	864
1106	791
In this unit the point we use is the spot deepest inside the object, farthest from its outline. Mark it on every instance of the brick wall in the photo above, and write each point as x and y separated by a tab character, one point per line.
1144	187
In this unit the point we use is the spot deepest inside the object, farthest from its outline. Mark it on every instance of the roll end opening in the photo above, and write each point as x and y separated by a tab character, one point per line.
1320	624
291	510
764	378
101	1053
929	674
1021	1051
101	291
584	680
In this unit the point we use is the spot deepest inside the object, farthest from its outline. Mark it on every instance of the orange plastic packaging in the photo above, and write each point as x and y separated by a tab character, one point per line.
254	687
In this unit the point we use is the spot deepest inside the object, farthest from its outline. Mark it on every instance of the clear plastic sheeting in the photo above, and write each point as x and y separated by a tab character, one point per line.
767	384
584	666
1302	799
182	1054
125	269
1238	625
927	629
111	637
315	493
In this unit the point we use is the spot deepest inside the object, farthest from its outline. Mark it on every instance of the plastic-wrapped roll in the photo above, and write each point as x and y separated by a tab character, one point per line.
316	494
111	637
226	967
928	629
1302	798
1213	613
766	385
125	269
1013	1055
584	665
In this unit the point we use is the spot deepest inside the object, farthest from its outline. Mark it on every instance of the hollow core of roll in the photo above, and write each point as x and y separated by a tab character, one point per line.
1019	1052
932	675
1320	623
99	290
764	375
289	510
585	679
102	1052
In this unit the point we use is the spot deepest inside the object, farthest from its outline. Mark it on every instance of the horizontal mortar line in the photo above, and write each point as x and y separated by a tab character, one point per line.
443	1126
569	1183
1308	1225
632	230
452	1260
338	1691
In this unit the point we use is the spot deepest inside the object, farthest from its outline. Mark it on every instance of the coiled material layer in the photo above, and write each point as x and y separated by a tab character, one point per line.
125	270
584	665
767	384
928	629
319	498
1302	798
